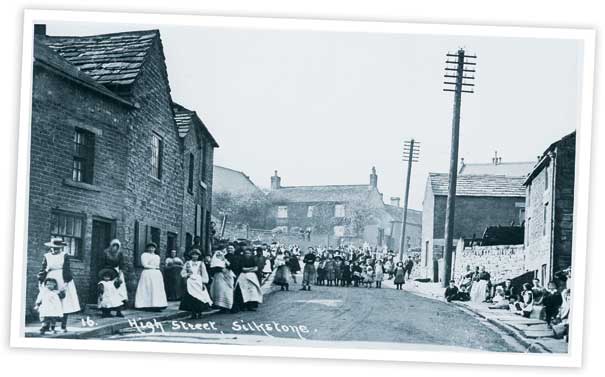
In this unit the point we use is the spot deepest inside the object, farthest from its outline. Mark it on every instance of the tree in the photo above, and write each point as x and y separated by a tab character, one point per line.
251	209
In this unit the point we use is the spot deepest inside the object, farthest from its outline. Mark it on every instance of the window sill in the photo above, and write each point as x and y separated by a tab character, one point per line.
204	186
81	185
155	179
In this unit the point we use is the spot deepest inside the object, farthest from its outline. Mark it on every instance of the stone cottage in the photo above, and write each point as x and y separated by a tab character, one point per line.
549	215
111	155
481	201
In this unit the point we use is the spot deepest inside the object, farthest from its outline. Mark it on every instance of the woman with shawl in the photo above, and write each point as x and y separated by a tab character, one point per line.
221	289
172	276
282	272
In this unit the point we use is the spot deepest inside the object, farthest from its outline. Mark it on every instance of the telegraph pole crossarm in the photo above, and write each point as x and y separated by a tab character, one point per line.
459	73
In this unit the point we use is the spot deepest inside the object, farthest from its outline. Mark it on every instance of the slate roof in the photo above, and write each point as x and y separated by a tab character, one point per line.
185	118
414	216
316	194
479	185
109	59
51	59
232	181
571	137
510	169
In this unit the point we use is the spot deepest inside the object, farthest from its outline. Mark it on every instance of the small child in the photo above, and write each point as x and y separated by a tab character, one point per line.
109	297
369	277
399	273
48	305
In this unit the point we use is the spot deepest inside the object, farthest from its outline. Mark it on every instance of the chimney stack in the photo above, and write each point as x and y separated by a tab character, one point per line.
374	178
395	201
40	29
275	182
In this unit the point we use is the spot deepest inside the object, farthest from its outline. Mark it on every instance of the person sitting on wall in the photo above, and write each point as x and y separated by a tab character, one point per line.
509	291
451	292
525	305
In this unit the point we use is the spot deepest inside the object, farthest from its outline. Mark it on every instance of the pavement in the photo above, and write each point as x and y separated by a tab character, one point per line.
532	333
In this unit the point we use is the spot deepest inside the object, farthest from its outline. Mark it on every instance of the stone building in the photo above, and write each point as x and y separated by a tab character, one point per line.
335	214
481	201
549	215
107	159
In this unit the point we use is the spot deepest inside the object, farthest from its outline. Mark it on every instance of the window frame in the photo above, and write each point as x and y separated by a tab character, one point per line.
339	210
310	210
282	210
83	156
78	241
157	152
191	172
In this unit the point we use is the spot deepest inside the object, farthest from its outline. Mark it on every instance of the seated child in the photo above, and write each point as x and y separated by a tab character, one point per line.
48	305
500	302
108	296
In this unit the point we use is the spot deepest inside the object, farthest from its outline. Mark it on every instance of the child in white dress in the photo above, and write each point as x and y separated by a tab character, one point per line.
48	305
109	296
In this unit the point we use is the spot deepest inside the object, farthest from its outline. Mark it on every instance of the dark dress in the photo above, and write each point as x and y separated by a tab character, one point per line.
237	263
173	281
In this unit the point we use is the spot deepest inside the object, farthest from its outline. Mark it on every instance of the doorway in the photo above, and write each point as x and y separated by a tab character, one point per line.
102	233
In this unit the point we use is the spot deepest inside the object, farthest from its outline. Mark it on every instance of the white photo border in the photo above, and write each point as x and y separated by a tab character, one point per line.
583	152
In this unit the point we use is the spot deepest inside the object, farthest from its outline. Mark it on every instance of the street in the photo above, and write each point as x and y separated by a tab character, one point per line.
348	315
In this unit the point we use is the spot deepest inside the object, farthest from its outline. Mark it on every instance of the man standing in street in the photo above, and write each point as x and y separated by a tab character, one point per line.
309	273
408	266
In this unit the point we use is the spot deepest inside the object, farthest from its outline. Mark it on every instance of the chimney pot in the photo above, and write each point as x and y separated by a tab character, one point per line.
275	181
39	29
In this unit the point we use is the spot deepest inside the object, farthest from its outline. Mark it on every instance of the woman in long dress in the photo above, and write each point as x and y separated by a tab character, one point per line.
221	289
282	272
172	276
114	258
150	291
55	265
248	293
195	298
480	285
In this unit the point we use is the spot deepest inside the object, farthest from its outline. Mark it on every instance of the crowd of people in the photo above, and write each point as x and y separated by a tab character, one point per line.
551	304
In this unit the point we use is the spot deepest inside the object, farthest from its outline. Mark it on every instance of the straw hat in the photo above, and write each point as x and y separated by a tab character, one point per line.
56	243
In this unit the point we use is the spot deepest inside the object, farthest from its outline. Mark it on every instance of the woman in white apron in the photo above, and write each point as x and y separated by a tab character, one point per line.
248	293
55	265
150	290
221	289
114	258
196	298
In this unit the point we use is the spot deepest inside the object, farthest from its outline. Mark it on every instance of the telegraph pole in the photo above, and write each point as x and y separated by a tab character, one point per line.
457	69
411	153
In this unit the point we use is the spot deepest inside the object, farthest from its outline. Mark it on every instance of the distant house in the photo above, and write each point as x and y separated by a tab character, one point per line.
497	167
233	181
549	215
413	229
111	156
481	201
336	214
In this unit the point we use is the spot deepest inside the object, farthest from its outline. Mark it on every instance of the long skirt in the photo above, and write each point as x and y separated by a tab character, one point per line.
173	283
122	291
150	290
196	298
309	274
70	302
330	274
399	276
282	276
248	284
479	291
221	289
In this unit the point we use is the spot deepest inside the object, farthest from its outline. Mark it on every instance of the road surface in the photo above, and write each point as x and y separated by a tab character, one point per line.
349	315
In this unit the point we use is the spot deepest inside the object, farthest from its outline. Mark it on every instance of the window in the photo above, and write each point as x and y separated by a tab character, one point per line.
83	158
156	156
188	241
170	242
154	235
190	180
282	212
70	227
339	210
543	275
527	231
521	215
339	231
203	152
426	253
544	219
310	210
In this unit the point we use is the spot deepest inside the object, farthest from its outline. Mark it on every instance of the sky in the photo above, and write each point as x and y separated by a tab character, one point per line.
325	107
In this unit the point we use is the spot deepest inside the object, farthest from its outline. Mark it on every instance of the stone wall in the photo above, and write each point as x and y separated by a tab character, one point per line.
501	261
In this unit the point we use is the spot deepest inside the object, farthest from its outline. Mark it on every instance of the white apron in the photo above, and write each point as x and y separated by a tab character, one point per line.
54	270
111	297
250	287
49	304
195	282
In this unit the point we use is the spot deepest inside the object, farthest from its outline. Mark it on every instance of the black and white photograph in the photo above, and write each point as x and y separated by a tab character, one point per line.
302	188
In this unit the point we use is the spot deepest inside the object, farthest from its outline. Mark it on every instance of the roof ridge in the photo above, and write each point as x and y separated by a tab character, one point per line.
311	186
156	31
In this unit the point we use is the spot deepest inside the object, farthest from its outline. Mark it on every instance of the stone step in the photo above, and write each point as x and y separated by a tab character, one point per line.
538	333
